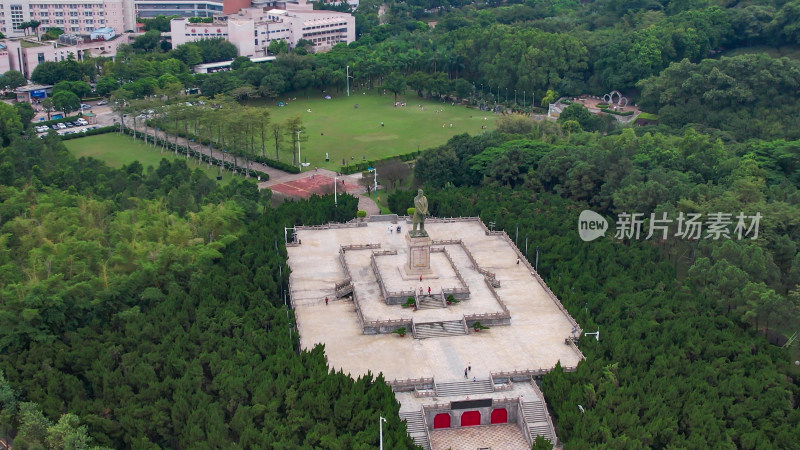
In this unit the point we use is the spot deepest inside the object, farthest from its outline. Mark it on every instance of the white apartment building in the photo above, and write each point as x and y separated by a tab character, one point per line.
252	29
72	16
24	55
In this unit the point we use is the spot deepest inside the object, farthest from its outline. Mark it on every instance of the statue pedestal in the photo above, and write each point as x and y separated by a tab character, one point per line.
419	255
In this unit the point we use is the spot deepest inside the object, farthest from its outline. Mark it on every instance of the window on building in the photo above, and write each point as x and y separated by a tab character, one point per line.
87	13
73	13
74	21
40	57
59	14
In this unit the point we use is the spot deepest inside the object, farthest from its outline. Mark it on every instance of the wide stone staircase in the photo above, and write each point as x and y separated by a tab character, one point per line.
430	302
439	329
415	423
467	387
536	419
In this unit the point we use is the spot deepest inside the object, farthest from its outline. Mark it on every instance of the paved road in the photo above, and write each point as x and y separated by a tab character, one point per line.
276	176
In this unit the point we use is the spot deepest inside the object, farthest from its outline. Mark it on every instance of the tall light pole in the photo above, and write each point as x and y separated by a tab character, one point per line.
374	179
335	197
299	159
380	423
347	78
515	97
523	99
506	96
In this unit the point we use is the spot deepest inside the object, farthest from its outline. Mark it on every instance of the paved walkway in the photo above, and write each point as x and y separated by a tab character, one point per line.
276	176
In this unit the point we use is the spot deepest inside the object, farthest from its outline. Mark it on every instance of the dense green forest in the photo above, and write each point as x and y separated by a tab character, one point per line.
142	307
681	363
146	308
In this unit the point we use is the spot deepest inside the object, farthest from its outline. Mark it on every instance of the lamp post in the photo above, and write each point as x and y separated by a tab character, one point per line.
374	179
299	159
506	96
335	197
380	423
515	97
347	79
523	99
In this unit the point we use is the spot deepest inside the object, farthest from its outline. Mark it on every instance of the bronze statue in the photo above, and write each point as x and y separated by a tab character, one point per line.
420	212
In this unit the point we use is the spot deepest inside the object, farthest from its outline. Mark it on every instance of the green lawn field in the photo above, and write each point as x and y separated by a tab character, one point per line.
118	150
341	130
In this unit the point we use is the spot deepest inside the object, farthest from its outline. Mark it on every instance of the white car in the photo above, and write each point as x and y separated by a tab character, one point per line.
102	102
61	126
82	122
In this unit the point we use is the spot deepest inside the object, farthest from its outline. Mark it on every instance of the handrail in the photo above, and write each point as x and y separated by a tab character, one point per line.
527	433
547	412
425	424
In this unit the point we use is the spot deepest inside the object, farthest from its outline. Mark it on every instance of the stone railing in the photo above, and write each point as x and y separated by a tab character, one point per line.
410	384
436	407
346	282
344	264
522	422
549	419
446	242
386	326
451	219
358	311
329	226
458	273
574	347
360	246
378	277
490	277
384	252
437	249
519	375
471	258
494	319
496	297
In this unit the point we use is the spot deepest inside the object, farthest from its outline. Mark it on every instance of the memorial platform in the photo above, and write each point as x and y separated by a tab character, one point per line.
529	329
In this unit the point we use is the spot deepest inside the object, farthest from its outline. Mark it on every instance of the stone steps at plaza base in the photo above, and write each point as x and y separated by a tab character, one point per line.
415	423
536	419
467	387
439	329
430	303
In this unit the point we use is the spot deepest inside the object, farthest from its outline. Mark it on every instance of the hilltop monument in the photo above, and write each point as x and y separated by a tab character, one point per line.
420	212
419	243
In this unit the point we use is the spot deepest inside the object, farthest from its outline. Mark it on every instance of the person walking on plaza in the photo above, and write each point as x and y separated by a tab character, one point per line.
465	373
429	291
326	301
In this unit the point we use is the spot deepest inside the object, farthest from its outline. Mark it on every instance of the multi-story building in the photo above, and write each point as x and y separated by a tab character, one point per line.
72	16
24	55
84	16
252	29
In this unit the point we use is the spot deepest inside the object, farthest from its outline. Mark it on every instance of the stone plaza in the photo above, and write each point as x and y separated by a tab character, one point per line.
480	324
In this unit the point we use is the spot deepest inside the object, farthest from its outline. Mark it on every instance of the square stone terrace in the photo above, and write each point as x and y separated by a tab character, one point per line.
534	340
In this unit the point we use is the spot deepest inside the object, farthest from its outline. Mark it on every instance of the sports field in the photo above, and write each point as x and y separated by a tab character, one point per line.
118	150
343	131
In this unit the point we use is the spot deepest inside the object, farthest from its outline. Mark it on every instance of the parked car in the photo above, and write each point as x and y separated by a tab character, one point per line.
102	102
69	124
55	127
82	122
85	106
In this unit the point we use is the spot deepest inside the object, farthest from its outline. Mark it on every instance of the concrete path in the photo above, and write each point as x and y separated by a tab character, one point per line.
367	204
276	176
